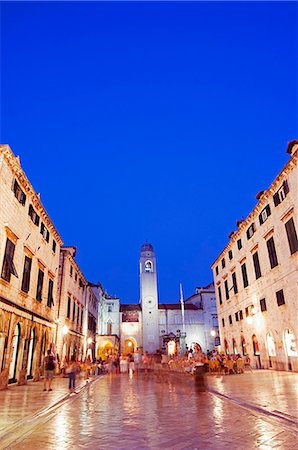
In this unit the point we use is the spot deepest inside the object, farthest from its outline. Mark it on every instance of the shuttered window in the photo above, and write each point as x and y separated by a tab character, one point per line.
257	267
26	274
39	285
219	295
227	290
292	236
244	275
234	280
281	194
265	213
8	267
280	297
50	293
272	253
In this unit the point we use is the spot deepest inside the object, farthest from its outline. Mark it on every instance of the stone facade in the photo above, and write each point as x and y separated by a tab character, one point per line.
256	277
205	299
72	312
29	259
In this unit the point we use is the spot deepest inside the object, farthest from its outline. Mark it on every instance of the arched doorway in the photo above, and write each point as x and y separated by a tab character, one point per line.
290	345
171	348
226	345
30	354
42	349
235	352
105	350
256	349
3	343
243	346
270	347
14	353
130	346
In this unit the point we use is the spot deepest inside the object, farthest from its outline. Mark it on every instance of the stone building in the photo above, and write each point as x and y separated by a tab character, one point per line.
29	262
205	300
255	277
72	312
150	325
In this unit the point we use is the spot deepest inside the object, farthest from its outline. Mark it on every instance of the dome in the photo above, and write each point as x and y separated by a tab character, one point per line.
147	247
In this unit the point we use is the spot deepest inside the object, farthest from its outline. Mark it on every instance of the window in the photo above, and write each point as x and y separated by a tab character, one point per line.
26	274
216	270
78	315
223	322
19	194
50	302
39	285
250	231
54	246
73	311
68	307
227	290
82	317
247	311
292	236
244	275
240	315
8	267
230	255
33	215
110	307
281	194
44	232
265	213
223	263
239	244
219	295
234	280
230	319
272	253
257	267
263	304
280	297
237	317
76	276
71	270
109	328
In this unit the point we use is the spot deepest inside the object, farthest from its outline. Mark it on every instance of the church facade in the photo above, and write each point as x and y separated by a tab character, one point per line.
150	325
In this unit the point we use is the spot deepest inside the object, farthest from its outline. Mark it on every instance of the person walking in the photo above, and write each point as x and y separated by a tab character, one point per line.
49	368
72	371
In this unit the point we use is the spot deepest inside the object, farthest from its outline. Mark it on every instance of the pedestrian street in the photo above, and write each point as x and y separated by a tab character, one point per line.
137	412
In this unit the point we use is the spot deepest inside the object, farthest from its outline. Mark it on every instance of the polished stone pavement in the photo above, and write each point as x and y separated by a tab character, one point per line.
124	412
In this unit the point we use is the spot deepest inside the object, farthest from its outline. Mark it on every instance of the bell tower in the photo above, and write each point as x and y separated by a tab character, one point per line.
149	299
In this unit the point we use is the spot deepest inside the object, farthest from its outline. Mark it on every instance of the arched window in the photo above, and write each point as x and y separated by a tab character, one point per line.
290	342
109	327
30	354
14	352
235	352
243	346
255	345
148	266
270	345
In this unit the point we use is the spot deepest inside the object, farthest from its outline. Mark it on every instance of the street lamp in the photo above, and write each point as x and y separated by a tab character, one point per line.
65	329
213	333
89	340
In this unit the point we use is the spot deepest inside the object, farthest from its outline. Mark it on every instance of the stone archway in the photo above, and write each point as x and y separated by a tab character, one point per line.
130	345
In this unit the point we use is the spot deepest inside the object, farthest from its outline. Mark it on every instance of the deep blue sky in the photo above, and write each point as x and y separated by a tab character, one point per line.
156	121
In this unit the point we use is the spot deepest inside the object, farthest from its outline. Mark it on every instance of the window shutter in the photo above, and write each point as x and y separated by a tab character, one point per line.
261	219
276	199
286	187
268	210
292	236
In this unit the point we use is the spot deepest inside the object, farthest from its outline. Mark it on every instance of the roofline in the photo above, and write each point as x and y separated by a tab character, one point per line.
264	198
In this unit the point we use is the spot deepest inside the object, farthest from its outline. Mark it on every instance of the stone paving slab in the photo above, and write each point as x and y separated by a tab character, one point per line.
266	389
121	413
273	391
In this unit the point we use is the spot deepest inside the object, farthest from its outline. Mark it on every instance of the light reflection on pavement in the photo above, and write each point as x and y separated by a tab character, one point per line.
138	413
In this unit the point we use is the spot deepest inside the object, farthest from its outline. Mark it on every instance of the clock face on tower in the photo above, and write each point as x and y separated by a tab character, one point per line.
150	301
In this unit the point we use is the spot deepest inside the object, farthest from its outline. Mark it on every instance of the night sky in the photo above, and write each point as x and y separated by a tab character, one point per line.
149	121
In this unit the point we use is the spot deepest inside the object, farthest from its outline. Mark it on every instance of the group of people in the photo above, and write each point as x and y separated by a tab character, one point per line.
158	362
